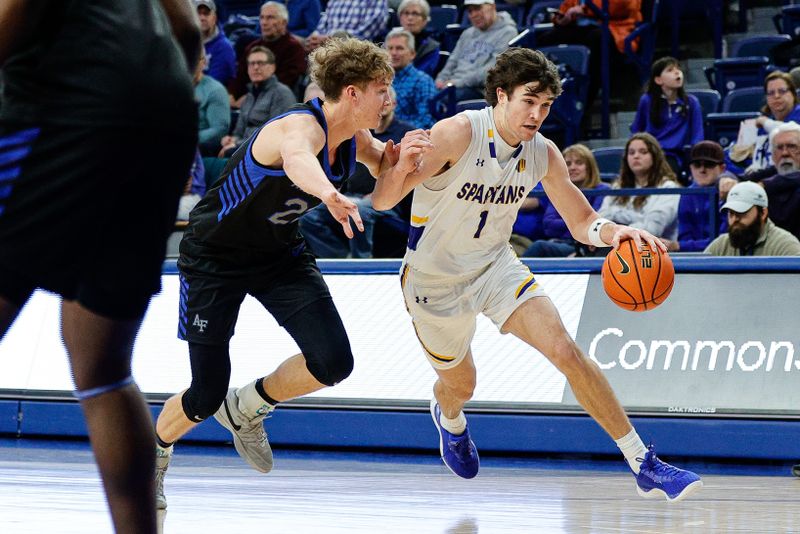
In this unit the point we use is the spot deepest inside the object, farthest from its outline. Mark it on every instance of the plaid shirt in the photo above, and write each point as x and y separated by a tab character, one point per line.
414	89
365	19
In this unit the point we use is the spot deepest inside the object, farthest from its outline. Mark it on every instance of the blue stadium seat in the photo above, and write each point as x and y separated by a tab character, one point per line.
250	8
576	60
646	33
735	73
444	55
744	99
758	45
724	127
709	99
441	16
788	20
609	161
538	13
450	36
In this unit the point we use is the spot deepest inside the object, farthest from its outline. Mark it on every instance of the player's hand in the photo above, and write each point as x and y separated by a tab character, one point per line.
623	233
414	145
343	209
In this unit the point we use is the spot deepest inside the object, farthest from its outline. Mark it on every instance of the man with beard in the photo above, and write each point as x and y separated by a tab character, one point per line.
781	180
750	232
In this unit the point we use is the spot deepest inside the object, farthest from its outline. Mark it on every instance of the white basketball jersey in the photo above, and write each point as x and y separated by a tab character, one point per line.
461	220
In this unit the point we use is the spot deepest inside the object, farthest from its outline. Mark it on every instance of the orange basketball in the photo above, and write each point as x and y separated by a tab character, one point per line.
637	281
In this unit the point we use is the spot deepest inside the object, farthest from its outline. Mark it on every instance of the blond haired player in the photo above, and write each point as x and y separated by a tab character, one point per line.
469	186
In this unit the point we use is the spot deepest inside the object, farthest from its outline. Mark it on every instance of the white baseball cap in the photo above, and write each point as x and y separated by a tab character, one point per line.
477	2
744	196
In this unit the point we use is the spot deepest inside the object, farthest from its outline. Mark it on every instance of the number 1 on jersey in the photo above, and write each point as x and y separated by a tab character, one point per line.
484	214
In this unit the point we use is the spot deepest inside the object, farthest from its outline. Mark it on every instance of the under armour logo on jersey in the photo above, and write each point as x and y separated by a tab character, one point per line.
423	300
200	323
479	162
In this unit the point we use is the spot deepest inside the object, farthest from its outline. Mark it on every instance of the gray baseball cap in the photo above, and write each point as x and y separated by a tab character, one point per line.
207	3
744	196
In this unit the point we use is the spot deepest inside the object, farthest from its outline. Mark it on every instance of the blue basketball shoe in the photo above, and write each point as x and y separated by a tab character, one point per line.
458	452
657	479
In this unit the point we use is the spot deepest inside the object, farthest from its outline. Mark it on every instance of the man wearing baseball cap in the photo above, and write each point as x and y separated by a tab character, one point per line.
750	232
220	55
694	232
477	49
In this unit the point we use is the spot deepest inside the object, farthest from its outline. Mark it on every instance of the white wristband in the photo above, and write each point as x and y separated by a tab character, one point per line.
594	232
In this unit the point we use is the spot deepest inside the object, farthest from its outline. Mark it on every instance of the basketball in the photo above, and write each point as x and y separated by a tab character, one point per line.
637	281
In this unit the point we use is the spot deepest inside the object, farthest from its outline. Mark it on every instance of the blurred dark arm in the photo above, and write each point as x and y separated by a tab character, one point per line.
12	17
186	28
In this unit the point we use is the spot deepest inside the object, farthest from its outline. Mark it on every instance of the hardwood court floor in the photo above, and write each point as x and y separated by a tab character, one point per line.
49	487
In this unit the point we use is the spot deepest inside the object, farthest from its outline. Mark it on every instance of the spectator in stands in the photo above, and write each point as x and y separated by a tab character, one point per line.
266	98
751	233
644	165
414	16
781	180
364	19
194	190
303	17
666	111
219	52
782	106
477	49
323	233
575	23
583	172
414	88
213	109
290	55
707	163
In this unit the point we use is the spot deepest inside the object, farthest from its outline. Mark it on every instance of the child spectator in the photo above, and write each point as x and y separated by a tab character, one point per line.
666	112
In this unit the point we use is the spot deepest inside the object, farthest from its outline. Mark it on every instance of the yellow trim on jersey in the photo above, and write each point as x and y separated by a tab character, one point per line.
491	133
404	277
418	220
438	357
525	286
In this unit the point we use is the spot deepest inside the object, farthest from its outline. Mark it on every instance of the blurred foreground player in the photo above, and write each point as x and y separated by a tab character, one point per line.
93	88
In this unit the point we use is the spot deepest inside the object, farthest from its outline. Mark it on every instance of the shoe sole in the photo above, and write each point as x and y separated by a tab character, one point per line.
237	443
660	494
441	439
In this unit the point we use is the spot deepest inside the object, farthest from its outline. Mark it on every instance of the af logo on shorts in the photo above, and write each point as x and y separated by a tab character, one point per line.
200	323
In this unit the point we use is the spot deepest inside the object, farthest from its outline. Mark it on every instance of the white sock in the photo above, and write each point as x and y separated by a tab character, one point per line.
455	426
633	448
251	403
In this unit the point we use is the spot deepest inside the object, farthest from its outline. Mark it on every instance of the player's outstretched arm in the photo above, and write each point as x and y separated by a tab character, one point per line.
419	157
583	222
301	139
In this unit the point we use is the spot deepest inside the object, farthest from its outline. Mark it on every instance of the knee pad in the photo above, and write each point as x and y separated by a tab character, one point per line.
211	372
332	364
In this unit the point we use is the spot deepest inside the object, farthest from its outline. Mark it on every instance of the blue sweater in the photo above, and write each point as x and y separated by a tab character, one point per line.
303	16
693	226
221	58
677	127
